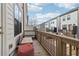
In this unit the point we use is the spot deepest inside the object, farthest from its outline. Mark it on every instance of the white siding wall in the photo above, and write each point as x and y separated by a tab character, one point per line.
58	23
9	23
46	25
73	19
42	27
38	27
31	32
8	28
28	27
53	23
78	24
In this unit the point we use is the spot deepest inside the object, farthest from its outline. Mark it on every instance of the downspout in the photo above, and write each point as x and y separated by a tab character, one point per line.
27	13
23	19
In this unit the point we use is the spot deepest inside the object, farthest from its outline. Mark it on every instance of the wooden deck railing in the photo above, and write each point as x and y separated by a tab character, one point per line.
58	45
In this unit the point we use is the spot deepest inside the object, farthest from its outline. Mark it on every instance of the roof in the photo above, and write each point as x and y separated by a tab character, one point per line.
72	10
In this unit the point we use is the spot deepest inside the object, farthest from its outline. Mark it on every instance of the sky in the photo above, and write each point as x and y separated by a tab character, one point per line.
42	12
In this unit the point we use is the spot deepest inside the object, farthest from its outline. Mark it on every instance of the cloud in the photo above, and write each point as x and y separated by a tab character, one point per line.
38	4
45	17
40	18
66	5
34	7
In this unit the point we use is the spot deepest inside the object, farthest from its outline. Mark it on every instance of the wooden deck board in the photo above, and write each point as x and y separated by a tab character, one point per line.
38	49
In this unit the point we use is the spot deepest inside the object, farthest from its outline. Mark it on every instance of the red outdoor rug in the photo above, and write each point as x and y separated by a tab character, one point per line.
25	50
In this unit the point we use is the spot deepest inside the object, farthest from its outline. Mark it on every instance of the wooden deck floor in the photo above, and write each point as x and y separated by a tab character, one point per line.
38	49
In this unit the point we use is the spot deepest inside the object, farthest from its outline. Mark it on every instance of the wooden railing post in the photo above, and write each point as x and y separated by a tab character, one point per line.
41	37
58	47
63	48
37	35
76	51
70	50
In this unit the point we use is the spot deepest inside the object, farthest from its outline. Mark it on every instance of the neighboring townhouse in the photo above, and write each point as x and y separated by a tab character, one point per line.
42	27
50	24
58	23
11	27
65	21
69	20
38	26
47	25
53	23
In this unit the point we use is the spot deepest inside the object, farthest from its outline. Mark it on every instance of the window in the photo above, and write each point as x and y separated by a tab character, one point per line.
63	19
68	17
64	27
52	22
17	20
16	12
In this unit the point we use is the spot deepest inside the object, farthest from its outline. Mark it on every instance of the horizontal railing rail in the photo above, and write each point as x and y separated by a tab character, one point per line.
29	30
58	45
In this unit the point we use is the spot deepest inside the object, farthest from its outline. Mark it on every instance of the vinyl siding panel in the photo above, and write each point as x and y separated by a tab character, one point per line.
10	28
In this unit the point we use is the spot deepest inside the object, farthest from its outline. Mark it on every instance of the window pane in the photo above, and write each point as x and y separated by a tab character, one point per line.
17	21
68	17
63	19
16	12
